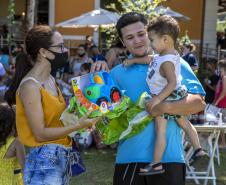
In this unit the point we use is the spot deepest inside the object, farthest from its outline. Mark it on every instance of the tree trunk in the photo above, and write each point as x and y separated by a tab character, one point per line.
31	13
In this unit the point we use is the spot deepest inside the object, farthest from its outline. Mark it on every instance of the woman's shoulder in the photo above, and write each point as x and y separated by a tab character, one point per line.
29	81
29	84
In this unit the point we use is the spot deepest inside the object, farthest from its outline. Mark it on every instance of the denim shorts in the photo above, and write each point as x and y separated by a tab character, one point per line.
47	165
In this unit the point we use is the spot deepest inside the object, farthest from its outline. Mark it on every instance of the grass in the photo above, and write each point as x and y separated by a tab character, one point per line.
100	168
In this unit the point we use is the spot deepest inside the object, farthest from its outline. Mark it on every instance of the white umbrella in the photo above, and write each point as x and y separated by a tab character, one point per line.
95	18
168	11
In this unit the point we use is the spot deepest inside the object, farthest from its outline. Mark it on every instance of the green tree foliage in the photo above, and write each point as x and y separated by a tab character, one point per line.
145	7
221	25
185	38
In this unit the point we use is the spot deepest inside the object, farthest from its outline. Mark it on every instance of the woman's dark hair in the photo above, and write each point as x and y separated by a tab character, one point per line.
190	46
38	37
129	18
7	122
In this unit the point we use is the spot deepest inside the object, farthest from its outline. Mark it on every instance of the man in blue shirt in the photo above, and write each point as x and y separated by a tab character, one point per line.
137	151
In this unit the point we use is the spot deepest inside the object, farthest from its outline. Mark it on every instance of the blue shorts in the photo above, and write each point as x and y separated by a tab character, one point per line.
47	164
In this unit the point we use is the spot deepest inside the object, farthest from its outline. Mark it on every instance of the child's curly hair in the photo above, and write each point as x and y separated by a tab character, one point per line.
165	25
7	122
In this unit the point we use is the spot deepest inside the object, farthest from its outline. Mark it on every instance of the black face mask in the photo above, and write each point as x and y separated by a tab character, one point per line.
59	61
81	54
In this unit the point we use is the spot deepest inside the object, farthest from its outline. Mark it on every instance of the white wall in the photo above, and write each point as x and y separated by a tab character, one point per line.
51	12
210	23
96	31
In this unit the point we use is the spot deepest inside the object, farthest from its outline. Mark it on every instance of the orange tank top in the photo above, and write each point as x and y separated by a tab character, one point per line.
52	106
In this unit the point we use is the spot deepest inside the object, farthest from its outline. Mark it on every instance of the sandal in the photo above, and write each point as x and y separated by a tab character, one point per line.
197	155
150	169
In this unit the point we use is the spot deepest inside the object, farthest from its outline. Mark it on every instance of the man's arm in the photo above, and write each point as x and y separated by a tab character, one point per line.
191	104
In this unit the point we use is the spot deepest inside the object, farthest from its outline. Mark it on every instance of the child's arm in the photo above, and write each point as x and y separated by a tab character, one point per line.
223	92
167	70
142	60
20	152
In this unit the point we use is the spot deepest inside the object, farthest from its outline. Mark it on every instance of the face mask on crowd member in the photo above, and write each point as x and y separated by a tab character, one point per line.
59	60
81	51
60	56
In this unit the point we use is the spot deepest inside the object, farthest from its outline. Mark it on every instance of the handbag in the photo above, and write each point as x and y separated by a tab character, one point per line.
76	163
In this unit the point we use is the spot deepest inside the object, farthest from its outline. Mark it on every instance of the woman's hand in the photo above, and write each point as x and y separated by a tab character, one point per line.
85	122
99	66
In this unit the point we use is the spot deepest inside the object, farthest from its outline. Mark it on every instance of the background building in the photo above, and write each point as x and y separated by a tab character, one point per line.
201	27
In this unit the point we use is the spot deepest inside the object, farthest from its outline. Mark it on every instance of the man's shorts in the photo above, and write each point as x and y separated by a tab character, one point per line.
127	174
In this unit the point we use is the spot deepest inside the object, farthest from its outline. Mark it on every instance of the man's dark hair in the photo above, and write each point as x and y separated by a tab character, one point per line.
165	25
129	18
82	46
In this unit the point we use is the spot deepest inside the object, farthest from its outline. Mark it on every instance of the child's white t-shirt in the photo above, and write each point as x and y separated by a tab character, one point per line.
156	82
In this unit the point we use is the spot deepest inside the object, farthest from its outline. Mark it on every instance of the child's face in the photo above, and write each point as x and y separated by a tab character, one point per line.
157	42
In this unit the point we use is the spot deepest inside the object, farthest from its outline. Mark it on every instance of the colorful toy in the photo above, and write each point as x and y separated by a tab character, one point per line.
97	92
102	91
81	98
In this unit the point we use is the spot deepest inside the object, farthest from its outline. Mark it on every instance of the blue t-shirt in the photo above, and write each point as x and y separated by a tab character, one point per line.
4	59
140	148
190	59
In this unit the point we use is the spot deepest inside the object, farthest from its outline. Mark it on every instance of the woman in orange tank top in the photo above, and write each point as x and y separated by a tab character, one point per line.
39	104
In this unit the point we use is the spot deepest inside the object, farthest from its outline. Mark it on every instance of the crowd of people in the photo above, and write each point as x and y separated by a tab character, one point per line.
144	59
